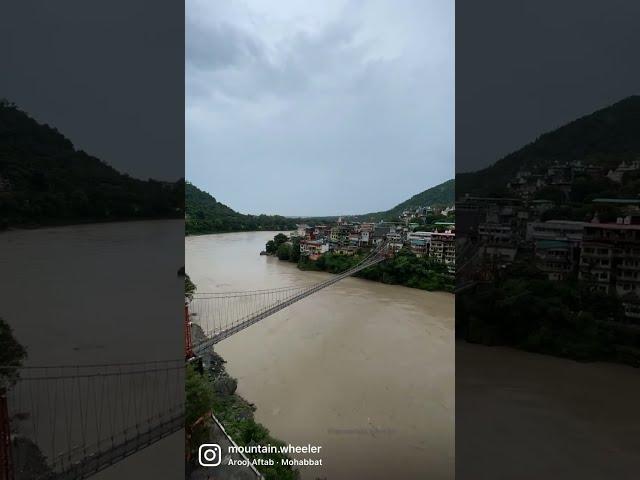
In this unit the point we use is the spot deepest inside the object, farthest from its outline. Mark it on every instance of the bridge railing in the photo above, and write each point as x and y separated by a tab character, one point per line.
70	421
222	314
217	312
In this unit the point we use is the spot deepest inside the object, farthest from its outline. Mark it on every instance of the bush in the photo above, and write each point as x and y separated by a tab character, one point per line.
284	251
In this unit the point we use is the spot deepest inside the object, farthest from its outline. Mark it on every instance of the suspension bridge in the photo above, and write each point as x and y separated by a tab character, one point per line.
70	422
220	315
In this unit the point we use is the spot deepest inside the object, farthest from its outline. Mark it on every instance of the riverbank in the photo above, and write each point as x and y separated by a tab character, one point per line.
563	319
200	234
86	221
404	268
236	415
338	369
213	389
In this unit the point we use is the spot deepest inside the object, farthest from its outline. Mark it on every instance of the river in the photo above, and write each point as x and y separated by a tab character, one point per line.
99	293
363	369
528	416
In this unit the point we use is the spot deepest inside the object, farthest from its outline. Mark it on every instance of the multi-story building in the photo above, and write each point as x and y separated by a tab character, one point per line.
395	241
631	304
321	231
497	242
556	258
340	234
540	206
302	230
622	169
419	242
354	239
526	184
495	234
313	248
443	247
556	229
472	211
449	210
379	234
610	258
557	246
345	250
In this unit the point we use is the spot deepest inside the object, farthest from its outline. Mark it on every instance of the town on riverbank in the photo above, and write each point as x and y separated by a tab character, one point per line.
421	243
553	266
354	318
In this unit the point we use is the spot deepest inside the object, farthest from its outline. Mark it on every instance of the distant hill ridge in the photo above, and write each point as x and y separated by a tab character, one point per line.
204	214
605	137
44	180
442	195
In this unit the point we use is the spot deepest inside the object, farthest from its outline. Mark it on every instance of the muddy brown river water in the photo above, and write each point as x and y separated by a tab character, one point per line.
102	293
363	369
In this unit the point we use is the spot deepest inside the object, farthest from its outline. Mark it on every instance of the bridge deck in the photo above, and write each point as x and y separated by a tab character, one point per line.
199	348
99	461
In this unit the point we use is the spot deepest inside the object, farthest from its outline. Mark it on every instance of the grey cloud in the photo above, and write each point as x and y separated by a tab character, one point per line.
218	46
234	64
340	118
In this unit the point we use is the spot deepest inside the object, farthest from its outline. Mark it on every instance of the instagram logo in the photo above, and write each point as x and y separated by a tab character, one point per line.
209	455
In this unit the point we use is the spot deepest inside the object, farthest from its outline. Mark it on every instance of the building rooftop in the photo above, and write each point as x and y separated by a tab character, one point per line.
564	222
620	201
546	244
613	226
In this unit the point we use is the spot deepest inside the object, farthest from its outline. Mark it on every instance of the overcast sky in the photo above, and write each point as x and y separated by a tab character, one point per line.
524	68
318	108
108	75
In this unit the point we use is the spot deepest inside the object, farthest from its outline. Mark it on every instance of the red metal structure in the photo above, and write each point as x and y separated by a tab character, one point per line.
6	465
188	346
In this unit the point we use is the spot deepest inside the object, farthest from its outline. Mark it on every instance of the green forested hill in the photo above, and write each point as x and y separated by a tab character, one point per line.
443	195
44	180
605	137
204	214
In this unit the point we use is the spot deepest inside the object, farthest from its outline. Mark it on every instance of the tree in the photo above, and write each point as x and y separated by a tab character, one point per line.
189	287
271	247
295	250
280	238
284	251
11	355
199	401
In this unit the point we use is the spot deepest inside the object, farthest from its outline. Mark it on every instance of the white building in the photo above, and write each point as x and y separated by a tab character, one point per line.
443	247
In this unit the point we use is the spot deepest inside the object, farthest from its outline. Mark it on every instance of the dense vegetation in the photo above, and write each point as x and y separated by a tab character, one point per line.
405	268
189	287
204	214
44	180
606	137
284	248
521	307
441	195
213	390
525	310
12	354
